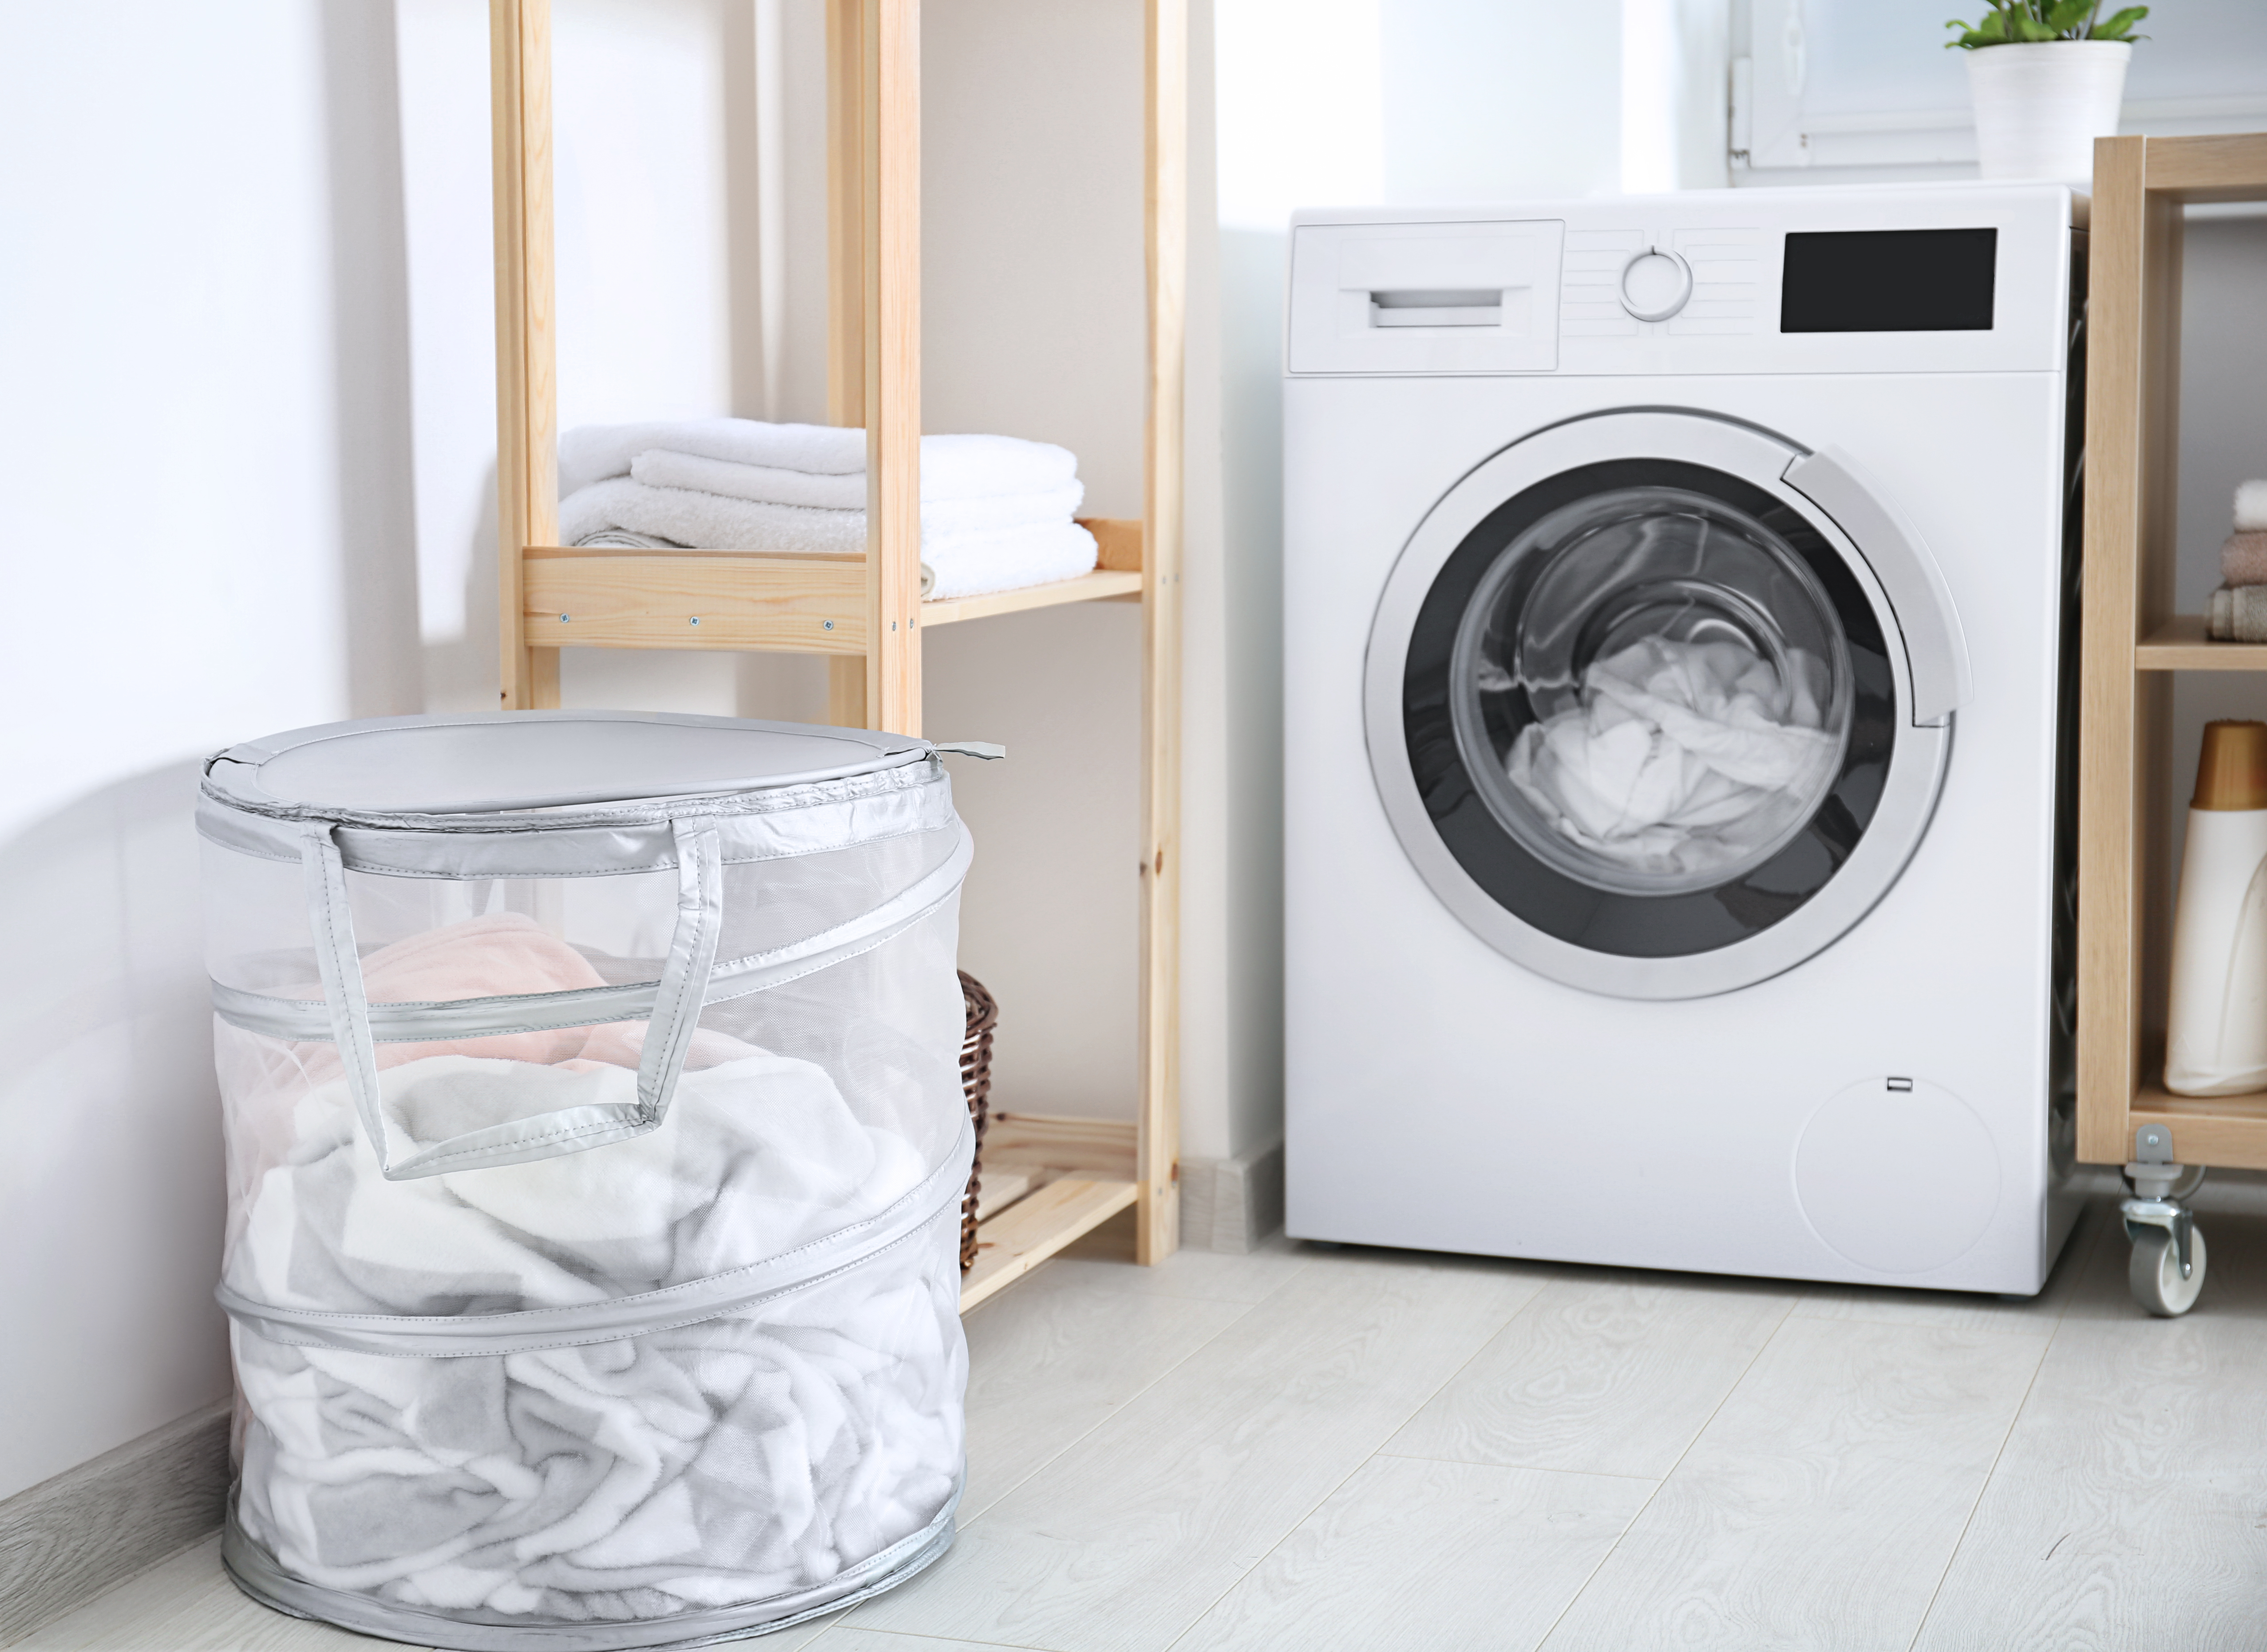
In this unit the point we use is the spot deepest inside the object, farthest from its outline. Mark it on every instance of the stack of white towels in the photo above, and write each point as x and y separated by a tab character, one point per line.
995	511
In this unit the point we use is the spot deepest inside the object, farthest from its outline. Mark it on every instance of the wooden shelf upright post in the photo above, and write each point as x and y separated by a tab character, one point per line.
1166	118
527	391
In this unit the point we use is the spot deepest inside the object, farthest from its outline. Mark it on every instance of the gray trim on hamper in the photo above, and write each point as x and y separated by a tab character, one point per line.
457	1336
68	1538
797	820
256	1573
1232	1204
308	1020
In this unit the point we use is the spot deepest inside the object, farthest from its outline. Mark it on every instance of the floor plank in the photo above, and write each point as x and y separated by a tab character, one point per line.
1610	1376
1051	1358
2130	1506
1821	1504
187	1605
1123	1542
1425	1554
1104	1259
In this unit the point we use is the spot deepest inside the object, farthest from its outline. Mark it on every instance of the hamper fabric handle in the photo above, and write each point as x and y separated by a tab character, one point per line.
677	1002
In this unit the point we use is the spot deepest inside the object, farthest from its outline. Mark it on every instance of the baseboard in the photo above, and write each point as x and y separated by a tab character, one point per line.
1232	1204
68	1538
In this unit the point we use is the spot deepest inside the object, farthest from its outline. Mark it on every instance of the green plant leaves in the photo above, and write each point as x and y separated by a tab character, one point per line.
2012	22
2120	25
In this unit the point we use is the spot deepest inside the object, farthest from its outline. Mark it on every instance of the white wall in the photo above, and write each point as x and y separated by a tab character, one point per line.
200	324
1033	325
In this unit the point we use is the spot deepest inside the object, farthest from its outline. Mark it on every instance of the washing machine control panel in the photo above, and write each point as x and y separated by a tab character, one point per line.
1855	280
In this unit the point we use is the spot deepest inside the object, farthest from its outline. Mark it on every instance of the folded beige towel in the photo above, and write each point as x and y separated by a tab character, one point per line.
2243	559
2237	614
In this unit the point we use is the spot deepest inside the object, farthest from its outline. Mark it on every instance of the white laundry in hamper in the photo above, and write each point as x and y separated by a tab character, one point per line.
596	1144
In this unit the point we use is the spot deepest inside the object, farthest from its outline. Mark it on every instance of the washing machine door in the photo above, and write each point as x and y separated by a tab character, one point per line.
1659	703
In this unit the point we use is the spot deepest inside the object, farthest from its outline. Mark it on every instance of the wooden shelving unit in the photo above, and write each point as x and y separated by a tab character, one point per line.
2133	641
864	613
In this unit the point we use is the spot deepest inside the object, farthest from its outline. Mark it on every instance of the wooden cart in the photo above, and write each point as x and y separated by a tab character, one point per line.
2133	641
864	613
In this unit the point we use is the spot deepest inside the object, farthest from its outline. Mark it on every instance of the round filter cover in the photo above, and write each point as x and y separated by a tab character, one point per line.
540	760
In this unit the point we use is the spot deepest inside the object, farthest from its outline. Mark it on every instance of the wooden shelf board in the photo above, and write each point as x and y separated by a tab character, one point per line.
1003	1188
1035	1227
2227	1131
746	599
1100	1149
2180	645
601	596
1102	585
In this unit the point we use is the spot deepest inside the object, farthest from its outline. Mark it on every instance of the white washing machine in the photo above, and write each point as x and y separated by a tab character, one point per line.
1680	631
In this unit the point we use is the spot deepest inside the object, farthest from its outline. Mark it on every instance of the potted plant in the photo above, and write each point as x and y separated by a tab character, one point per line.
2047	77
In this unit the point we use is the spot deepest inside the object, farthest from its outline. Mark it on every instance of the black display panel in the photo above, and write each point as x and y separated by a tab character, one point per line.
1887	281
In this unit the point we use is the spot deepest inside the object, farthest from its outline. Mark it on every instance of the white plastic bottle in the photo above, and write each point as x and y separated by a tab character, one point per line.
2216	1042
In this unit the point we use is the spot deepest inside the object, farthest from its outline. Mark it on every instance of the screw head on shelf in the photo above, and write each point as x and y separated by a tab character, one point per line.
692	620
829	624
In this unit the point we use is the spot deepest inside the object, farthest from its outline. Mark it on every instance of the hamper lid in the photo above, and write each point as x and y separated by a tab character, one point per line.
539	760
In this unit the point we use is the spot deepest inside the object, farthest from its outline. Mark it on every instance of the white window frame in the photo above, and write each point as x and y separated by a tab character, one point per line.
1770	134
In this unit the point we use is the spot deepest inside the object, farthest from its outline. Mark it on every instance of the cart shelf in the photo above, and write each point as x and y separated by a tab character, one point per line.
2228	1131
2132	640
2180	645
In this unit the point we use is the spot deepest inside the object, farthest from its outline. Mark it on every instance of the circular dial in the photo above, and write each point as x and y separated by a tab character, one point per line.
1655	284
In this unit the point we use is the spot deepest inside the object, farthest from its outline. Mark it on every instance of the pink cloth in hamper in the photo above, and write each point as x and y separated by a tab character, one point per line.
2243	559
501	955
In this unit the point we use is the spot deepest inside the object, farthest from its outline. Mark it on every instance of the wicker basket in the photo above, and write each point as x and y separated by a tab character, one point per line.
976	1081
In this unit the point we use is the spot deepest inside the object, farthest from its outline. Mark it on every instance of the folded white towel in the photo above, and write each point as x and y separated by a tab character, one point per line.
952	466
592	452
965	564
972	564
2250	507
761	484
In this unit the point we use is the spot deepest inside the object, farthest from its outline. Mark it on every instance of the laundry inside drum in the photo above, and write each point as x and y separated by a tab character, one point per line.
1652	691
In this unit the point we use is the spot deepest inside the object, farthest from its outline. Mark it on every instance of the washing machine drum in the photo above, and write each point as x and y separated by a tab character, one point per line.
1647	715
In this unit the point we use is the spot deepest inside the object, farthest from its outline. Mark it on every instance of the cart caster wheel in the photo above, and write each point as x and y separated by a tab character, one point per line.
2155	1273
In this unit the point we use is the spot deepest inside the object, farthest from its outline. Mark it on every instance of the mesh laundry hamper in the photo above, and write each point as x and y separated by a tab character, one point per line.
596	1146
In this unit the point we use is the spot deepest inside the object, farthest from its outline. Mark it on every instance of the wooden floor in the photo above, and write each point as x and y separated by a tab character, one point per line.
1308	1450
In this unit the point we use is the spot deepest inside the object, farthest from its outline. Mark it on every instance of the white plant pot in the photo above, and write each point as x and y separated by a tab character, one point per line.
2040	107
